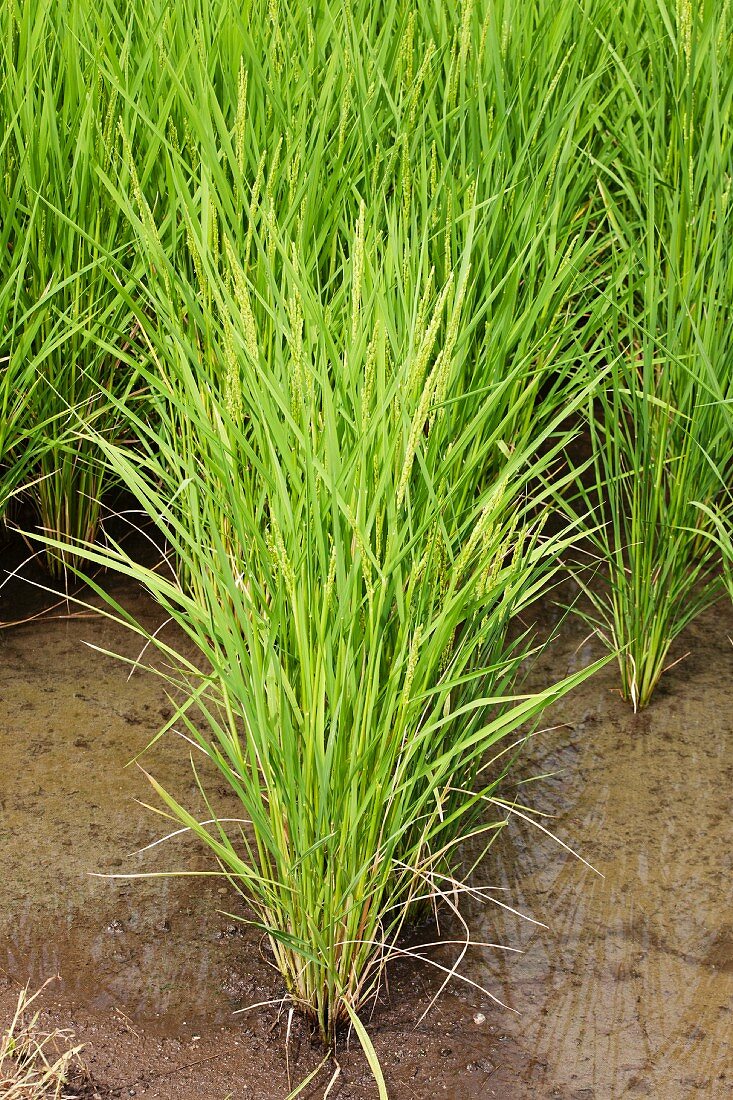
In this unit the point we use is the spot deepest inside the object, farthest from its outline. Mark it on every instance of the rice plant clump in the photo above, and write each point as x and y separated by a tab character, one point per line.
660	428
358	378
63	75
351	537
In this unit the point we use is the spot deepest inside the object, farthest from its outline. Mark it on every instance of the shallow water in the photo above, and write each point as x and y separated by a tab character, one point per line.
71	723
629	990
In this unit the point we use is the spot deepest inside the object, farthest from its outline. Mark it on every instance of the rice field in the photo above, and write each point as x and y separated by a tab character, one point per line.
356	336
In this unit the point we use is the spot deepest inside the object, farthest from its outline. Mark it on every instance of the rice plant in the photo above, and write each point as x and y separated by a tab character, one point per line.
62	321
349	584
660	429
344	463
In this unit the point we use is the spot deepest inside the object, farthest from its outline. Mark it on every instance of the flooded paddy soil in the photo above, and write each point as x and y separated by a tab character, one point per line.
627	991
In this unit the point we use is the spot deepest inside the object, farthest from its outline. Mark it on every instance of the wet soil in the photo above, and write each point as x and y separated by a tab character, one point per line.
628	990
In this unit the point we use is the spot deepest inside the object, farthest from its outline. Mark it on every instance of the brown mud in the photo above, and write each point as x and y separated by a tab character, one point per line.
627	991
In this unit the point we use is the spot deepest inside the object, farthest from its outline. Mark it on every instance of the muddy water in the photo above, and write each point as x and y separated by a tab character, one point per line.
71	723
627	991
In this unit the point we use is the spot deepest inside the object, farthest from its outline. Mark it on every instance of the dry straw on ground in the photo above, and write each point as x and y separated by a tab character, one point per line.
36	1064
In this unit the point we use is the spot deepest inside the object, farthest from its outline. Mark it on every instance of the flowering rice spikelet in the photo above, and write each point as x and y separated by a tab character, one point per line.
240	124
232	381
331	576
484	530
421	413
241	294
345	104
446	353
358	271
466	23
684	29
720	40
406	179
254	203
146	213
506	34
427	343
415	93
214	231
550	91
195	254
451	84
433	183
412	660
447	234
295	339
276	546
424	303
369	371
